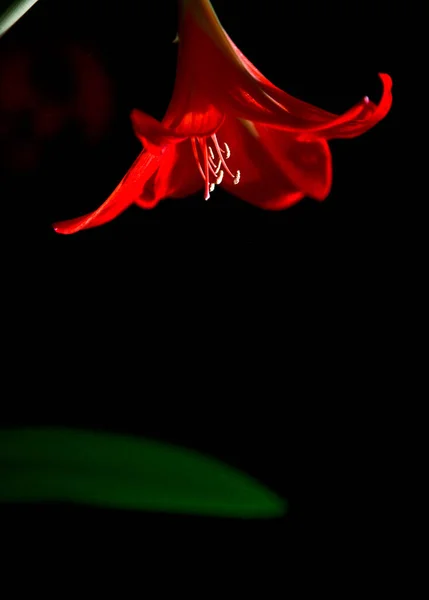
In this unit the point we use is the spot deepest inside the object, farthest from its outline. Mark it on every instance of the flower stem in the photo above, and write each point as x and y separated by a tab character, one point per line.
13	13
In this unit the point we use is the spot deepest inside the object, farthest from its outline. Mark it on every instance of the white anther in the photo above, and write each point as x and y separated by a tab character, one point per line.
218	167
219	179
211	152
237	178
212	187
227	150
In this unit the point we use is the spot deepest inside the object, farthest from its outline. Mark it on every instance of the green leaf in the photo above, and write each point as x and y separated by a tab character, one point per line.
125	472
11	12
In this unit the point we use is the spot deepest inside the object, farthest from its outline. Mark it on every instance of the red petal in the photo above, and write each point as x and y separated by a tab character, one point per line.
262	181
192	115
152	134
371	114
306	160
177	176
120	199
155	135
353	123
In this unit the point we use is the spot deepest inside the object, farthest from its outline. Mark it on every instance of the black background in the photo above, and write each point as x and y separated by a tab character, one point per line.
261	338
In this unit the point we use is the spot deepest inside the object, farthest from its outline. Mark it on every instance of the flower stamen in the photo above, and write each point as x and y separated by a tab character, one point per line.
197	159
235	177
208	165
215	166
208	186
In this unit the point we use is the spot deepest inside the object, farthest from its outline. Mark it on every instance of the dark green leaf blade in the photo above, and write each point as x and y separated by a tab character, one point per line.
125	472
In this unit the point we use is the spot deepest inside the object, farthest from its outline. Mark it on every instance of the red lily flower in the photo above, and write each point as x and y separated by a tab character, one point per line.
228	125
